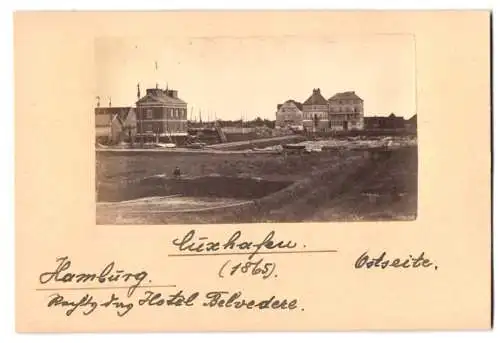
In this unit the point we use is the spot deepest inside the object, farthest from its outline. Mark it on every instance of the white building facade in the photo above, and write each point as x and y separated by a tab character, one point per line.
289	114
345	111
315	112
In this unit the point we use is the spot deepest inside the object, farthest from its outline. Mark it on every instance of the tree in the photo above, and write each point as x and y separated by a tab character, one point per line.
269	123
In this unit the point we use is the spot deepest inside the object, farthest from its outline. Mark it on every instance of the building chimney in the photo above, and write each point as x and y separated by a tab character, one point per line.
172	93
154	92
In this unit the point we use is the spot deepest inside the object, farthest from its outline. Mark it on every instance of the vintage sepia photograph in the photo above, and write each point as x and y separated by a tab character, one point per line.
252	171
255	129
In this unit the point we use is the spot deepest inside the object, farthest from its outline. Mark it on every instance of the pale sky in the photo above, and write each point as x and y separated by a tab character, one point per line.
234	77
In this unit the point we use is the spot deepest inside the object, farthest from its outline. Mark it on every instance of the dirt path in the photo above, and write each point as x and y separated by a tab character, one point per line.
274	140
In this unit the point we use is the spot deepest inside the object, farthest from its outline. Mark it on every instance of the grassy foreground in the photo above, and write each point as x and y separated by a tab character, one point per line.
325	186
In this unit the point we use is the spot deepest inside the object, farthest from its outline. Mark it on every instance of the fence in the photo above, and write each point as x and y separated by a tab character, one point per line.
240	130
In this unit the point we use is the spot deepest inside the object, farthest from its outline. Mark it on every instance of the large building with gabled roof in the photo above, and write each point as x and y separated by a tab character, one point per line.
315	112
346	111
341	112
289	114
115	124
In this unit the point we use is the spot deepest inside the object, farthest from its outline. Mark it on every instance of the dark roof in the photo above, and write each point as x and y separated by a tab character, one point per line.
298	104
316	98
391	116
413	118
160	96
350	95
121	112
111	110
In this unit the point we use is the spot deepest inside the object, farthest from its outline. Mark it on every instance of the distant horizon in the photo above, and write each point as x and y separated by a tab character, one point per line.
231	78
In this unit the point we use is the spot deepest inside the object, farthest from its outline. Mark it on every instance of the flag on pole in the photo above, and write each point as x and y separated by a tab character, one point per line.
156	65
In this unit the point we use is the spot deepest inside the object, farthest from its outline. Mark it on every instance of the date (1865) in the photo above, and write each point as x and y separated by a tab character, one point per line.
260	267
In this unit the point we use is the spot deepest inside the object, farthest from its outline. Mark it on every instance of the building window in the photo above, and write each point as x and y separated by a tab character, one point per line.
148	127
149	113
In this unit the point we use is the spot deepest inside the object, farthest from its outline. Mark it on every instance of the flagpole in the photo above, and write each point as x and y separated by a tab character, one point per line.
156	74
